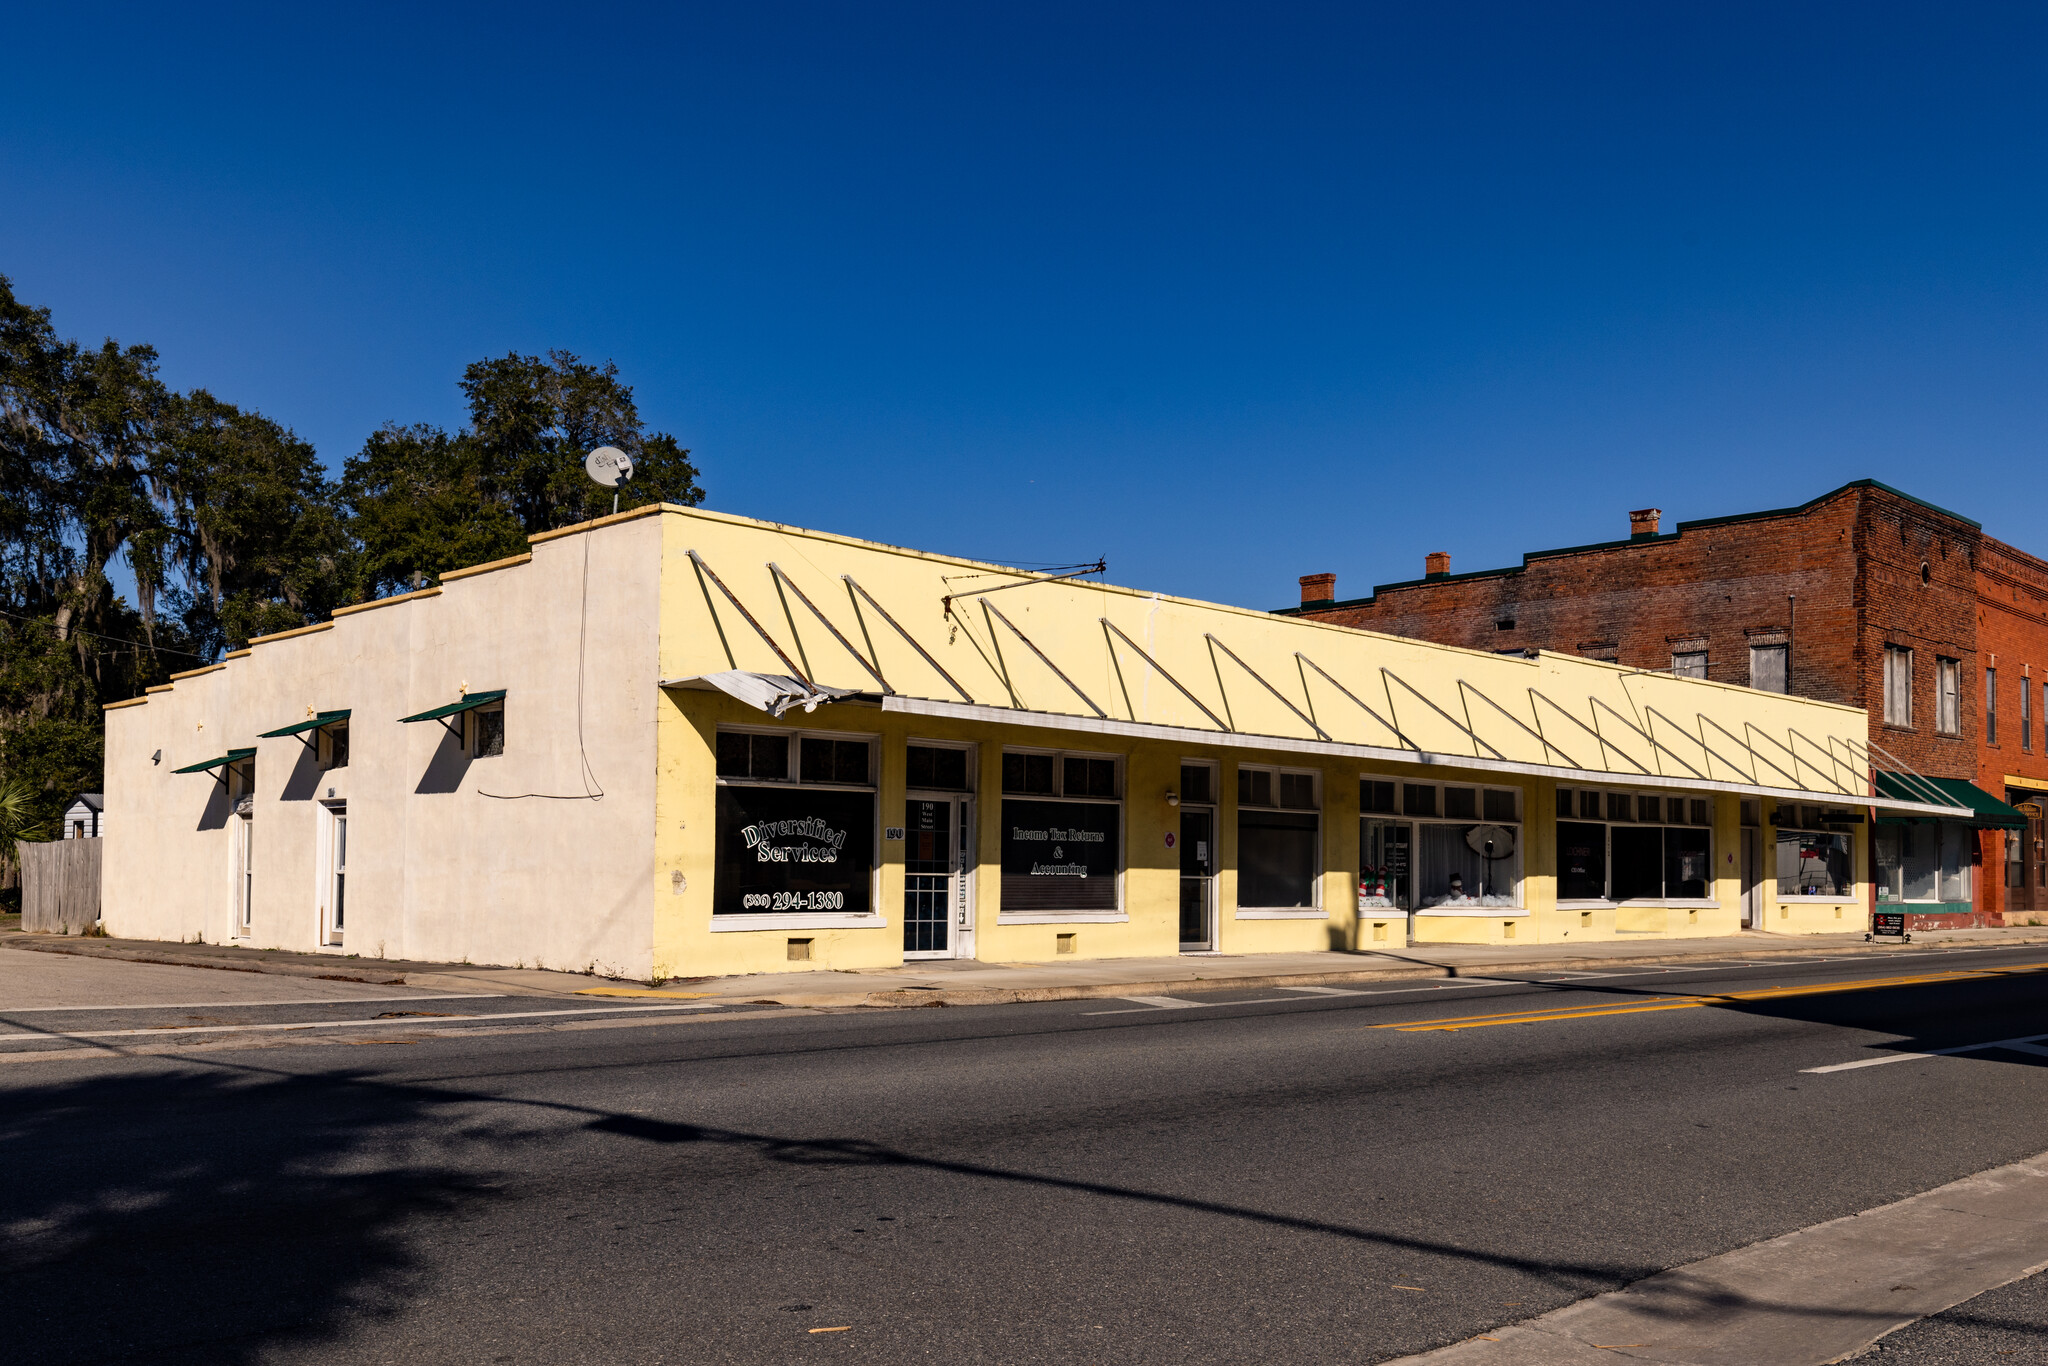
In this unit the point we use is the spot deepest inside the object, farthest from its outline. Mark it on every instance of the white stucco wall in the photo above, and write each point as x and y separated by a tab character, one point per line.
438	869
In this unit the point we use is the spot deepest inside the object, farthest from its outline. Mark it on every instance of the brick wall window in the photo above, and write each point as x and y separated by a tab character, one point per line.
1948	696
1991	706
1689	664
2026	717
1767	668
1898	686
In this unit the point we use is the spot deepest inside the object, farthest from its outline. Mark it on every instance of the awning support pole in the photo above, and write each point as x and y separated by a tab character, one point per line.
1664	749
1837	782
759	630
1915	779
789	583
1599	739
1537	736
1109	625
1392	729
965	696
1306	719
990	608
1441	712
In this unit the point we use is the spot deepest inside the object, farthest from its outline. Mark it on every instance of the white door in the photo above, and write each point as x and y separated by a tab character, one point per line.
337	874
938	866
245	879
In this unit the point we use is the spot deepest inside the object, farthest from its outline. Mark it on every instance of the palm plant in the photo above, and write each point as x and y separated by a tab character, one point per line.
18	820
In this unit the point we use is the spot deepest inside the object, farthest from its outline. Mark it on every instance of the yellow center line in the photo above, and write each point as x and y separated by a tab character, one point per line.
1543	1016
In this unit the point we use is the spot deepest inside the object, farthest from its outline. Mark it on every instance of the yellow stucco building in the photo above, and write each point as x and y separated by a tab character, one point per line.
680	743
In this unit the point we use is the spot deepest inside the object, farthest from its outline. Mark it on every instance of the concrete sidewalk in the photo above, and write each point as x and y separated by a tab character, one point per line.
966	982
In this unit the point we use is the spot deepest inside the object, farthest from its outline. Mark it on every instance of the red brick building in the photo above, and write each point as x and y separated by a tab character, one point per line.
1865	596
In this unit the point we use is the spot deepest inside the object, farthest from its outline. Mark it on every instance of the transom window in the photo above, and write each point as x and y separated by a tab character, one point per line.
1275	787
1028	773
935	768
780	757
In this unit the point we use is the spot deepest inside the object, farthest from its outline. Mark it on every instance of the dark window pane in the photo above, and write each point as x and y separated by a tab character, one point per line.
1298	791
1686	864
1276	859
850	761
1091	777
1581	861
928	767
1254	787
815	761
1376	796
337	747
1418	799
1620	807
771	756
1500	806
1638	864
735	755
1702	811
1675	810
1197	783
1027	773
1589	806
490	733
1650	810
1461	803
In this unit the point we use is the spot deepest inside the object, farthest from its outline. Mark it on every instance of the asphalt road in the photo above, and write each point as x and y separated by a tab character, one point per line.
1296	1179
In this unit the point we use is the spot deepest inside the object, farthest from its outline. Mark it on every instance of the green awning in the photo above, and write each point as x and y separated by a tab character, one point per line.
469	703
233	756
325	718
1985	812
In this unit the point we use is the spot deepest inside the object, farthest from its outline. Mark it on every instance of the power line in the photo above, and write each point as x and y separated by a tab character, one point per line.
137	646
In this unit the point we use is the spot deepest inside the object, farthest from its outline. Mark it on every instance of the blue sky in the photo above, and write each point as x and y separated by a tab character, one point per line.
1226	294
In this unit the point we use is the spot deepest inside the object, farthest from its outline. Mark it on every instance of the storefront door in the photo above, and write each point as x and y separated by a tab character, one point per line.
1752	879
2026	858
1197	879
938	866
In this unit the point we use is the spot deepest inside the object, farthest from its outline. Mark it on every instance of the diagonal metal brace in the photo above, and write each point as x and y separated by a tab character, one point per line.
990	608
1306	719
1361	704
1441	712
826	621
1537	736
741	608
1110	625
965	696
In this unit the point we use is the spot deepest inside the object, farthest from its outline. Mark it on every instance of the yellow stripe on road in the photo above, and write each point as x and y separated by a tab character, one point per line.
1451	1022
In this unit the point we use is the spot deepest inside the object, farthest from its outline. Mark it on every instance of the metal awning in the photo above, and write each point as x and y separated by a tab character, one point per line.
233	756
325	718
469	703
1974	805
772	693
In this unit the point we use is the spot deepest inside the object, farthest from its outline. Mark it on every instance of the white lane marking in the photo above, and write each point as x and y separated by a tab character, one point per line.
343	1024
2020	1045
1326	991
251	1005
1162	1002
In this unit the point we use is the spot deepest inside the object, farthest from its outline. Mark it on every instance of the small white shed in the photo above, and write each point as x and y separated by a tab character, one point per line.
84	819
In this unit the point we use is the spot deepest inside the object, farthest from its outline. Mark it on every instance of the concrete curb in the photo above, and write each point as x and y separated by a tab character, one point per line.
910	998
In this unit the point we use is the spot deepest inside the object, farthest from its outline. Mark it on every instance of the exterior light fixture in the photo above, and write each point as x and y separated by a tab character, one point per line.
1172	797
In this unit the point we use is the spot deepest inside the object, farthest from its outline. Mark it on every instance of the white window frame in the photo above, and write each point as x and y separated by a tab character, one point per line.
1122	913
1400	816
1948	696
1315	910
1898	686
1607	825
740	921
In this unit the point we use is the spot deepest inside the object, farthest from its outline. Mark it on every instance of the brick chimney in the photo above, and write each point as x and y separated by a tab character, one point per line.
1644	521
1318	588
1436	564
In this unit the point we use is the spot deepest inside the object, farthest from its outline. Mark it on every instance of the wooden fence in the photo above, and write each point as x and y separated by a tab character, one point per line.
60	885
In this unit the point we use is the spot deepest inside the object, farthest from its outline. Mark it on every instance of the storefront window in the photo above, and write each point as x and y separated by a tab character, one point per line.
1649	847
1061	855
1464	850
1924	861
794	842
1813	863
1279	838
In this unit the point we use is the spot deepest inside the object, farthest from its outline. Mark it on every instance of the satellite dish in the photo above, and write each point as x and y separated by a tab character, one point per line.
609	466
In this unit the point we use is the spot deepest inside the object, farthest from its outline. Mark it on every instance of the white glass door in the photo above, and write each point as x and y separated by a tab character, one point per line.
938	913
337	888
